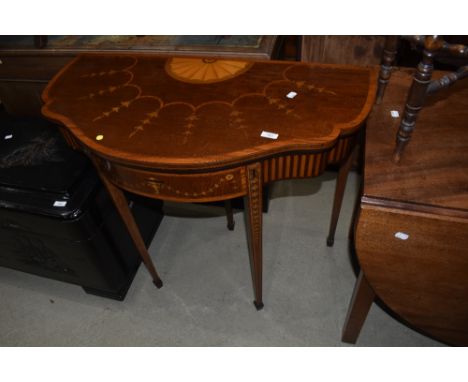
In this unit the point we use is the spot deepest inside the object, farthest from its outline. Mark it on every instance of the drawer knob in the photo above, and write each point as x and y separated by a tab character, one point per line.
155	185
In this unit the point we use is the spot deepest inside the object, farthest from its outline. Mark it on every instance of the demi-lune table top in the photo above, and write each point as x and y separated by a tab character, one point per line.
184	113
197	129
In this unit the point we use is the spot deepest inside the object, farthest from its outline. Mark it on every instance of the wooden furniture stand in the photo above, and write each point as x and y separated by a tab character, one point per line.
411	233
206	129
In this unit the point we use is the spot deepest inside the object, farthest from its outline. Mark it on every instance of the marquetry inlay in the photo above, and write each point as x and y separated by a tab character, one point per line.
204	70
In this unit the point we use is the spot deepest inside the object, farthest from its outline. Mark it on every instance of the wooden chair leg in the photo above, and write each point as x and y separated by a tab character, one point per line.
389	54
339	192
120	203
253	202
229	215
416	97
361	301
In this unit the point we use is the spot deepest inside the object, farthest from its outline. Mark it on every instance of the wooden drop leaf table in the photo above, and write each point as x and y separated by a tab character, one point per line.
203	129
411	228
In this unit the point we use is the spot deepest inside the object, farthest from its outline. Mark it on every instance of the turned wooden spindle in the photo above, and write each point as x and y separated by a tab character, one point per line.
417	94
389	54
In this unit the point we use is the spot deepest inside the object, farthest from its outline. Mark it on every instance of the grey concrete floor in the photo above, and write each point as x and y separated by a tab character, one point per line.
207	295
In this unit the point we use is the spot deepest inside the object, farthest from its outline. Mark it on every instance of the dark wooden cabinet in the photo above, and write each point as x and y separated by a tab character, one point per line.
351	50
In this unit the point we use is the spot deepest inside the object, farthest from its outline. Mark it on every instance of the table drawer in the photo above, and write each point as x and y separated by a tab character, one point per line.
213	186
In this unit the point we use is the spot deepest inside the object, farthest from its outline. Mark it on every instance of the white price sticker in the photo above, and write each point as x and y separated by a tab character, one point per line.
267	134
291	95
9	136
60	203
402	236
394	113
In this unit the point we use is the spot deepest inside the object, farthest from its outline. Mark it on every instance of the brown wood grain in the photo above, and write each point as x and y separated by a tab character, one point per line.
254	220
352	50
361	301
189	129
121	204
208	187
130	100
434	169
422	277
25	69
339	192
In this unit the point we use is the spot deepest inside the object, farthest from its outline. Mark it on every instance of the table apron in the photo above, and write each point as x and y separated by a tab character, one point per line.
223	184
200	187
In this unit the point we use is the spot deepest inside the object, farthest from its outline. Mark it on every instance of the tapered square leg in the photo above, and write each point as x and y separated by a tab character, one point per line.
120	203
361	301
229	215
339	193
254	219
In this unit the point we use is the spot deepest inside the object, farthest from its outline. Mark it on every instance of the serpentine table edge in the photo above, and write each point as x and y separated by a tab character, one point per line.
317	126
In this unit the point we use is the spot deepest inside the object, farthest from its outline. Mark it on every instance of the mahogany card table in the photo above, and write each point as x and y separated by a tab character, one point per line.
204	129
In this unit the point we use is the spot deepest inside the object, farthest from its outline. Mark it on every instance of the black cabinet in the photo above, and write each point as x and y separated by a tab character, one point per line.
56	219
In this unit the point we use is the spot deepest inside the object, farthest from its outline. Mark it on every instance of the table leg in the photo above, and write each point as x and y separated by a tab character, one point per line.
339	192
363	296
120	203
229	214
254	219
